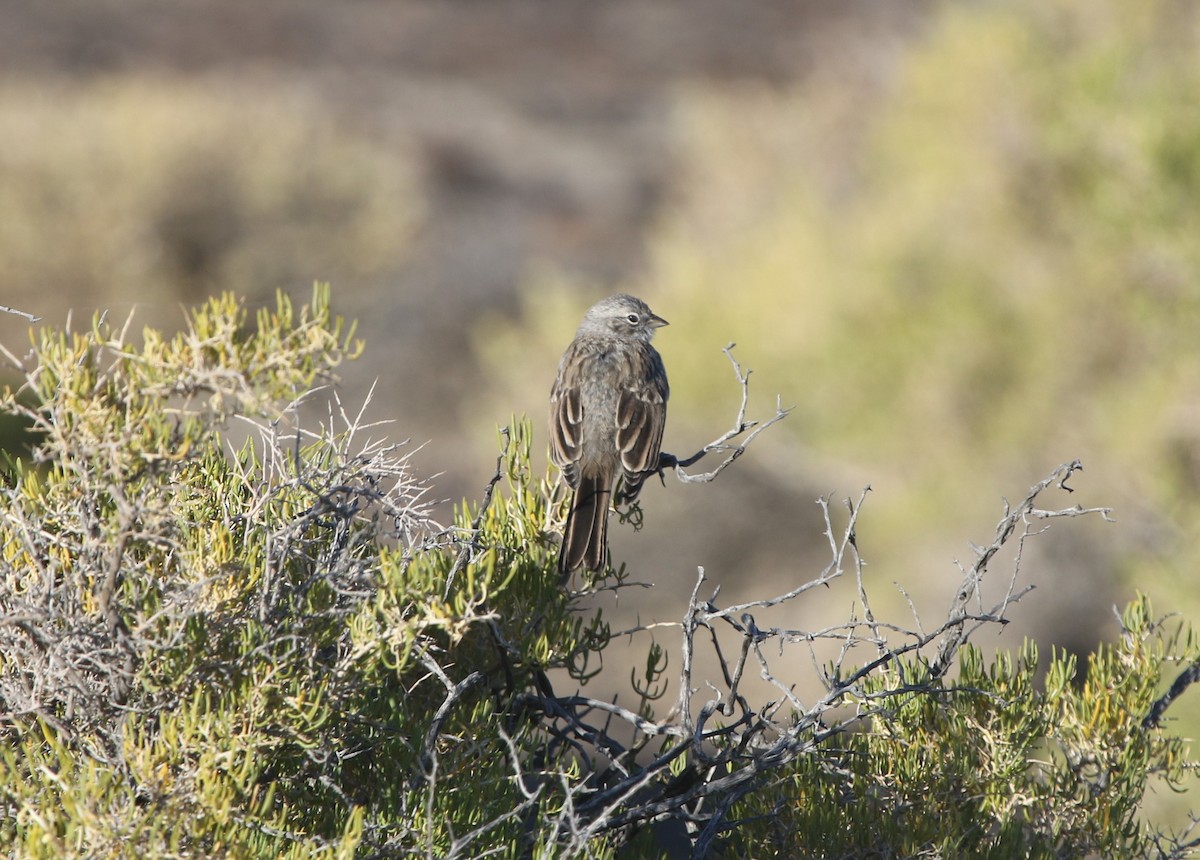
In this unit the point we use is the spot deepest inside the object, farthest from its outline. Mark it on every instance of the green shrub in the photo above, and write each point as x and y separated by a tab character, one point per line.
991	765
209	648
128	188
225	634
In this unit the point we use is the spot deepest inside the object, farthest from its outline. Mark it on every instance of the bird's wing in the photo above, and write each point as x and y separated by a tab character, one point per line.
566	427
641	416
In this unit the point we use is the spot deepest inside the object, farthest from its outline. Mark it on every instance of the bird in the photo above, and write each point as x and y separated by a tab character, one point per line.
608	407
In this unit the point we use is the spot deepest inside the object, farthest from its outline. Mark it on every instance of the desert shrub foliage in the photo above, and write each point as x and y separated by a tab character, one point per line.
230	626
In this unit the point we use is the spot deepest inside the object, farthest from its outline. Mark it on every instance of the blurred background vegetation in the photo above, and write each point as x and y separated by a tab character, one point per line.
960	238
980	266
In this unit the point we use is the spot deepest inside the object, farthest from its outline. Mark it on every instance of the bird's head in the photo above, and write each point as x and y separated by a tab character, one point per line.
622	315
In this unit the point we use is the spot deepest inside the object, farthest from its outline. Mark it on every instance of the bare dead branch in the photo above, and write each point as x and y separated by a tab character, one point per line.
1185	679
28	316
969	589
469	547
721	443
454	693
728	759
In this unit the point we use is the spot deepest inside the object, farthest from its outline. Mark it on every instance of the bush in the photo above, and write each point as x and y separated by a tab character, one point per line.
268	648
164	191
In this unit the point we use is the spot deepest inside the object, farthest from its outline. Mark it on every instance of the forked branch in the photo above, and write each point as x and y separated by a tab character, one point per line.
715	748
722	443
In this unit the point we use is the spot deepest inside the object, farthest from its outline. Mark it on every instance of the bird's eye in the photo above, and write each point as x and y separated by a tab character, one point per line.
633	319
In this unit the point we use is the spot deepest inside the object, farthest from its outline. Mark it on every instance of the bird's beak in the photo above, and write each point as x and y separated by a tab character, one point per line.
657	322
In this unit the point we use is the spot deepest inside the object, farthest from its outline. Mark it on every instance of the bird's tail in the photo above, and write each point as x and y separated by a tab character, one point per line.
585	542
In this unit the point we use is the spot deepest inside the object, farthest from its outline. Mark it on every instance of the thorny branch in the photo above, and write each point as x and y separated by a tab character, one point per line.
727	760
721	443
1185	679
469	547
28	316
973	576
61	657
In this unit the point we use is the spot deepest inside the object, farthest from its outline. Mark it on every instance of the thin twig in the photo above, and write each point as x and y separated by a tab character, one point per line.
1186	678
470	546
28	316
1004	530
740	426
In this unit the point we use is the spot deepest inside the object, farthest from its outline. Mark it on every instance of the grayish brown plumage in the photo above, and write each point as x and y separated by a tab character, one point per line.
607	411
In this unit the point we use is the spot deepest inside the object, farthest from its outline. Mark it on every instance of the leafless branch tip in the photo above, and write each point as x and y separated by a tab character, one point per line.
722	443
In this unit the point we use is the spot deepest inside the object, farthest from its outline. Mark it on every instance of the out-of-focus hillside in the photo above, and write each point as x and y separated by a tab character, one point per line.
421	156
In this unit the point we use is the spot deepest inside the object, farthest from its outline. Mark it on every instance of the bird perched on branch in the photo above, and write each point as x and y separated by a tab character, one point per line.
608	407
